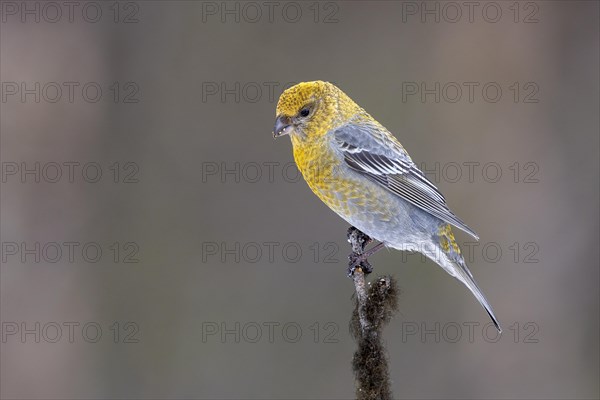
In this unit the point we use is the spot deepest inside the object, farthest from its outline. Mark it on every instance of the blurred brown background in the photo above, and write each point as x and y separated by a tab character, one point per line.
239	289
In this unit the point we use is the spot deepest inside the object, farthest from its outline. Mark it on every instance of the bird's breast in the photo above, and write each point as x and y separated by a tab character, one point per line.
318	164
344	191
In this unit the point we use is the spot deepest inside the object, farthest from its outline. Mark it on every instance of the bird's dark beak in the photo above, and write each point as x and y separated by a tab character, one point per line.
282	126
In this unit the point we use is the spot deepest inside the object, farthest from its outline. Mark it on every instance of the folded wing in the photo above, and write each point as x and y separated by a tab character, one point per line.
372	151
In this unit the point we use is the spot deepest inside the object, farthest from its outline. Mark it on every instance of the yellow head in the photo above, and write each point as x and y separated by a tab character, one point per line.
311	109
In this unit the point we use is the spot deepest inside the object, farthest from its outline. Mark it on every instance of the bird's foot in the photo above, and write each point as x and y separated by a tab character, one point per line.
358	239
358	258
358	261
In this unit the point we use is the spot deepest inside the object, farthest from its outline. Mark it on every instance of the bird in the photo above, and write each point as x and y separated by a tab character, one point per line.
362	172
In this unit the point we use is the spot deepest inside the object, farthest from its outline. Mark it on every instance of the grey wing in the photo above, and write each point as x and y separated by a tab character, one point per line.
370	150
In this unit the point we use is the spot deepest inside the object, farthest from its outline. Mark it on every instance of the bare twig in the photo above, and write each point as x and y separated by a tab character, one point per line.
375	304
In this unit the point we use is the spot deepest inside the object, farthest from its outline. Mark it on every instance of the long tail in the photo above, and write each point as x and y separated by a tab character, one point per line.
465	276
448	257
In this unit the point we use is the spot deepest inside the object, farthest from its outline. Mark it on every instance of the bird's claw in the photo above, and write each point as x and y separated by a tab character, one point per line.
358	261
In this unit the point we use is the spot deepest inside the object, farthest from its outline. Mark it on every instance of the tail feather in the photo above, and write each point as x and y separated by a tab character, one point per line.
465	276
448	257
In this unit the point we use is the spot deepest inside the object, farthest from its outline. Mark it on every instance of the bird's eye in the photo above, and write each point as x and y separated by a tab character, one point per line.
304	112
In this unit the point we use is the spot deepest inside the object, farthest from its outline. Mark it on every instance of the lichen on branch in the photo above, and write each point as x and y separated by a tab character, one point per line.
375	304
